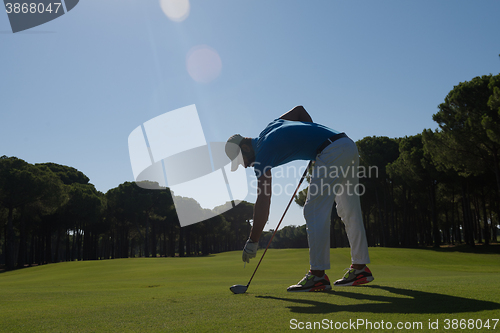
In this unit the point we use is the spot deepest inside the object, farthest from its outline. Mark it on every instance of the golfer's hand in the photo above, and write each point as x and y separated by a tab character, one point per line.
249	251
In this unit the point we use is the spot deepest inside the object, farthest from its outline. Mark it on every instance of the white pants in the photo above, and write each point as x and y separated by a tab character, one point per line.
335	178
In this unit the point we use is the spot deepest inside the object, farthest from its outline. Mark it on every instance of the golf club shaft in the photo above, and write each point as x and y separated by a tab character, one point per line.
277	227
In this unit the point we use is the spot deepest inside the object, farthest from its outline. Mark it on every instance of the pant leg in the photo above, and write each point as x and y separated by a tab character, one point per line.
332	177
317	212
349	208
319	204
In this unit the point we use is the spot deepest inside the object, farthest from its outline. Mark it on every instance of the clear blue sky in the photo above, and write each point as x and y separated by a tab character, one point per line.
73	89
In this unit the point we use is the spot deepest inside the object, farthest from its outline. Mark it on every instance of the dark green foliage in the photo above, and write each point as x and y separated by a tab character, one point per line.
467	144
438	187
375	154
469	119
67	174
24	188
290	237
52	213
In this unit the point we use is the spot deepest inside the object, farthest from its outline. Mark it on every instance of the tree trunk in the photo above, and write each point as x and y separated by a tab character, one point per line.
459	230
48	246
21	257
467	218
78	245
67	249
146	237
153	239
58	241
31	256
171	242
435	227
383	240
389	213
181	242
446	228
188	240
9	255
485	219
453	226
2	234
493	227
164	248
73	245
496	168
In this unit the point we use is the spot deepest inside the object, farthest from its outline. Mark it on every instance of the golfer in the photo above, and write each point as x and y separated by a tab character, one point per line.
292	137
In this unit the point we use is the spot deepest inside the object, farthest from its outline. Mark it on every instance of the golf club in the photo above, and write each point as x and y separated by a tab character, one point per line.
239	288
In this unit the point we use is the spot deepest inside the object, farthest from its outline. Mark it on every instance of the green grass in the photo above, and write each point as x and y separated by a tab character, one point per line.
192	294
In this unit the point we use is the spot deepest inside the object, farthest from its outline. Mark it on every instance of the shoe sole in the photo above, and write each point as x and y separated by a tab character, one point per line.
354	283
313	289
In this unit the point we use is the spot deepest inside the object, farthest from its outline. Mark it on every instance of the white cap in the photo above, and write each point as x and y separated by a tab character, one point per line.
233	151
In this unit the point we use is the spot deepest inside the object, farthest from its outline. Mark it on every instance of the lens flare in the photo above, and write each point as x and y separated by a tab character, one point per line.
203	64
176	10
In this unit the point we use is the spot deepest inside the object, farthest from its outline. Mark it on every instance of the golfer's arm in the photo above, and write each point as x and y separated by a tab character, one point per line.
298	113
262	205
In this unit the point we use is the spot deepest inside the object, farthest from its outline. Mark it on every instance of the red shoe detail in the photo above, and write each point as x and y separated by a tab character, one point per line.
366	269
363	280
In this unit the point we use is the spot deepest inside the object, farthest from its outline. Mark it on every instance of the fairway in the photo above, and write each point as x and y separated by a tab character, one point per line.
413	288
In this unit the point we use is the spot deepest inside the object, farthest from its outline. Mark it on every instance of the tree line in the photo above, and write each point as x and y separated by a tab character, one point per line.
51	213
438	187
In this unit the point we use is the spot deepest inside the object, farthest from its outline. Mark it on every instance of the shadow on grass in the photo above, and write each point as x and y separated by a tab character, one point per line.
413	301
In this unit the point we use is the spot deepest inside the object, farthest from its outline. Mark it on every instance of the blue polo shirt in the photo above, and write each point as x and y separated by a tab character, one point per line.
283	141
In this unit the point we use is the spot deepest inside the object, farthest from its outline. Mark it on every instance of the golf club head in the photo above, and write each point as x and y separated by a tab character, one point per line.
238	289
